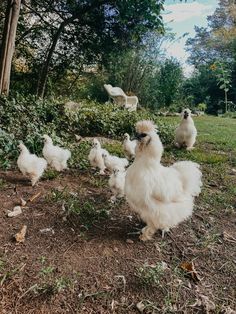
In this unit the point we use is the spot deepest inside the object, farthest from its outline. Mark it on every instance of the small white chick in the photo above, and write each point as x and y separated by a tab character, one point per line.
95	156
113	161
56	156
117	183
30	164
129	147
186	133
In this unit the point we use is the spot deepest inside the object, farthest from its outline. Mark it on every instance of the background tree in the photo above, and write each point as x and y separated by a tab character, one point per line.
8	44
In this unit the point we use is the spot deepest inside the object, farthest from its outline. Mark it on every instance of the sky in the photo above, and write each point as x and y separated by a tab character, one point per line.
181	18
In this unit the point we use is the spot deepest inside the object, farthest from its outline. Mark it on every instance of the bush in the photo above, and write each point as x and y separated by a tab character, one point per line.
27	119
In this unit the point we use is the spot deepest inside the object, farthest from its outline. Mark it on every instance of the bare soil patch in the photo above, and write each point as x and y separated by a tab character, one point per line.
65	266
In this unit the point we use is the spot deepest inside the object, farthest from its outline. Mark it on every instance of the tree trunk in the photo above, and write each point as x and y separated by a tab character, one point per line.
226	102
44	73
8	44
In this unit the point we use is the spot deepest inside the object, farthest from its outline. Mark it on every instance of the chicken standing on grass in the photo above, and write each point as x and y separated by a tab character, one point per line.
162	196
117	183
95	156
113	161
56	156
30	164
129	147
186	133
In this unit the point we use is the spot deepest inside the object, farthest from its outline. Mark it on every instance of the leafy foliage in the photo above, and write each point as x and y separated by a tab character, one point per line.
27	119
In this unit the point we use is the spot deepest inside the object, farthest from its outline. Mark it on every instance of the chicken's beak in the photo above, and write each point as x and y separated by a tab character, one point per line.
186	115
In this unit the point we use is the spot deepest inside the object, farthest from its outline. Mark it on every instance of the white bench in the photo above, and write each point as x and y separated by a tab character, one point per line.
120	98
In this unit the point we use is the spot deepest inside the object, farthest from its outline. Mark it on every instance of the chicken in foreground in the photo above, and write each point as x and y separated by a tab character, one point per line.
129	147
113	161
30	165
117	183
162	196
186	133
56	156
95	156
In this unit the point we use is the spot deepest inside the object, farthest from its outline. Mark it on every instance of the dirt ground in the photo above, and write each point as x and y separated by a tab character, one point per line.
103	267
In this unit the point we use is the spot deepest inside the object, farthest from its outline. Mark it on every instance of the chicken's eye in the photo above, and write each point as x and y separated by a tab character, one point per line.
142	135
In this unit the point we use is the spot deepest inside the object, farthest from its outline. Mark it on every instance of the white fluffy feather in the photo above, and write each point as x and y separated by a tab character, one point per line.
186	133
95	156
162	196
129	146
56	156
117	183
112	162
30	164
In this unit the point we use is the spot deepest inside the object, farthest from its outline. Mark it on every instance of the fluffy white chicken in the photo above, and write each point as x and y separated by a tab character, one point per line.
162	196
95	156
56	156
117	183
30	164
186	133
113	161
129	147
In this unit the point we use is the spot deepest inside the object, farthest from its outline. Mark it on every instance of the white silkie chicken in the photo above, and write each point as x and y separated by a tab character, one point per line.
129	147
30	164
95	156
56	156
186	133
113	161
162	196
117	183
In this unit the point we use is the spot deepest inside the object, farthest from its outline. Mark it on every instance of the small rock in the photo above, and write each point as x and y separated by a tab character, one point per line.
116	249
140	306
16	211
129	241
22	202
47	230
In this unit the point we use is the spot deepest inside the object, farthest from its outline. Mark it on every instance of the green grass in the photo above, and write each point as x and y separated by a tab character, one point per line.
218	132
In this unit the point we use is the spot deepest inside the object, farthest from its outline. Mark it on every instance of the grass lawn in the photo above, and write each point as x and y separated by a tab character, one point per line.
82	254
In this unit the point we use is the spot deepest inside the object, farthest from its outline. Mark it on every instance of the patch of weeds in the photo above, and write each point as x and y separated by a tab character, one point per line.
89	212
51	174
3	183
47	270
210	240
48	283
5	274
150	275
80	154
50	287
98	182
114	148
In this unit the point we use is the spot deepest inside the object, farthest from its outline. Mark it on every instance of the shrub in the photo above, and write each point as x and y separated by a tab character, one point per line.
27	119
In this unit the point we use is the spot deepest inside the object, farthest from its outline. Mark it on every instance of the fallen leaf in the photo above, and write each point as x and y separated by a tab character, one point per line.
20	236
34	197
16	211
190	269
